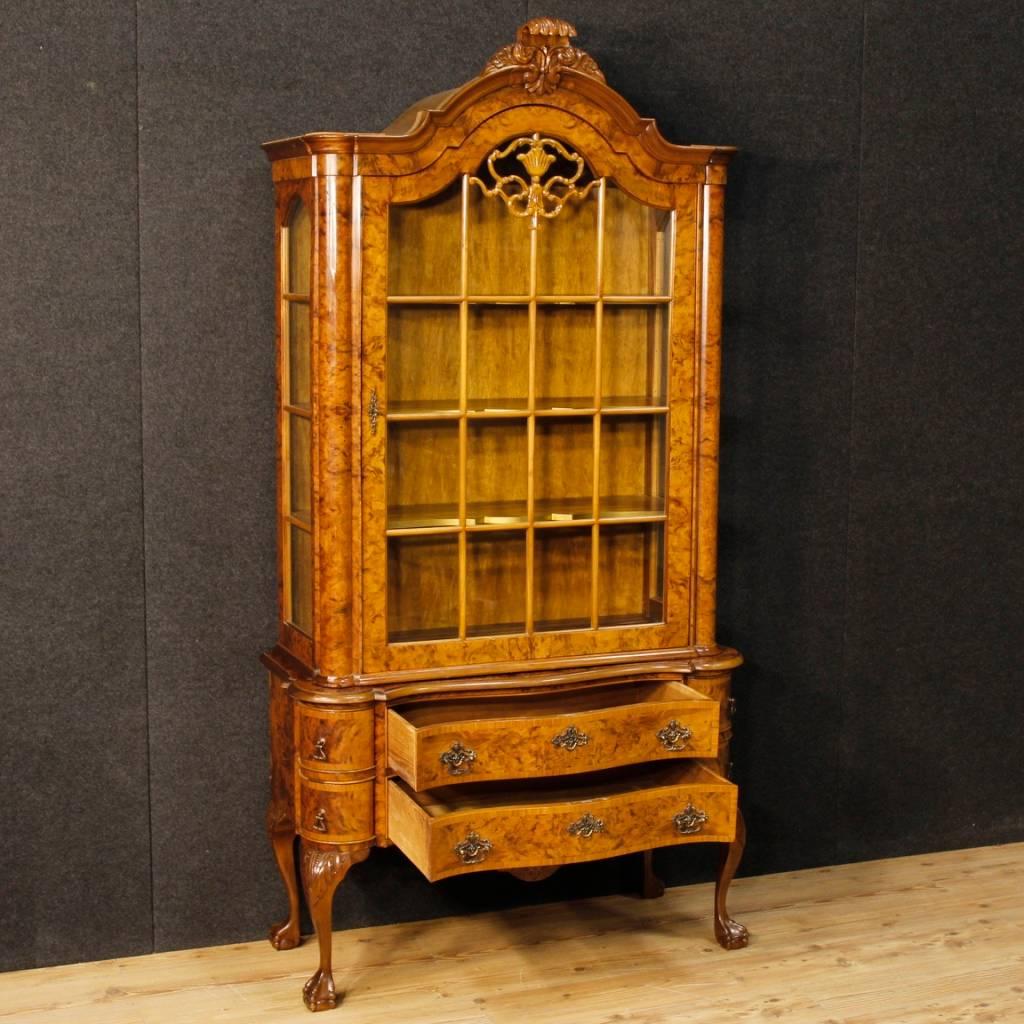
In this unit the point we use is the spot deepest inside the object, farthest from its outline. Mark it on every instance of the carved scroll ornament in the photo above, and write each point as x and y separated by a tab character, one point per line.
536	198
543	50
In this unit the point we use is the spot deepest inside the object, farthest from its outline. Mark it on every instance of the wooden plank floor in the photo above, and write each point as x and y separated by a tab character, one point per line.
918	940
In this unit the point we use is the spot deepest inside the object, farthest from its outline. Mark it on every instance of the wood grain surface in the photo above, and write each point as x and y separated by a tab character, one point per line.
933	939
537	826
515	738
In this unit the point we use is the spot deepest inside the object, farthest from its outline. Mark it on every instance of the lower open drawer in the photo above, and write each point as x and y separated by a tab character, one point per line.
485	826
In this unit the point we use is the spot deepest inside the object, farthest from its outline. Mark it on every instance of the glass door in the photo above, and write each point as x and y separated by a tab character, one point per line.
527	423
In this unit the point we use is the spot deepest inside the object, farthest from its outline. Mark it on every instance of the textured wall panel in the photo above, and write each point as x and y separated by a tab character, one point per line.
74	828
215	81
781	82
933	701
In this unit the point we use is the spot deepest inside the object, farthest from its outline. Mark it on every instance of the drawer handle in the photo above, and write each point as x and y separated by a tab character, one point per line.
690	820
571	739
457	759
473	849
320	820
320	749
675	736
587	826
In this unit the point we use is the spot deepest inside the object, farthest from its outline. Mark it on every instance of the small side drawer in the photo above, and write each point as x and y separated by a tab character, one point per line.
482	826
329	740
521	737
334	812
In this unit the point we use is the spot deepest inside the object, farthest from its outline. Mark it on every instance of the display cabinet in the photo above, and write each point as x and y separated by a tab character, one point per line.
498	356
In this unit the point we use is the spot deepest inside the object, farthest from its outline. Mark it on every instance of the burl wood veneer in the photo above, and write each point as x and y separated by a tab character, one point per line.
498	385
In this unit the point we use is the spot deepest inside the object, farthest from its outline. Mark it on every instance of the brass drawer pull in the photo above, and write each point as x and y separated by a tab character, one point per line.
320	820
319	749
675	736
473	849
690	820
571	739
587	826
457	759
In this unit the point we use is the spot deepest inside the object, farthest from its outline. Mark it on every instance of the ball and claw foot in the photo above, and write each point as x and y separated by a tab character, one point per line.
731	934
318	993
285	934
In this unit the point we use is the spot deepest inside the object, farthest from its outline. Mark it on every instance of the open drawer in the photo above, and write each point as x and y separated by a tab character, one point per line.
483	826
520	737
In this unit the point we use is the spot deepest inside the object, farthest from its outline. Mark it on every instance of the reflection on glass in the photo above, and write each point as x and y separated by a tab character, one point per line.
498	358
632	466
299	376
561	579
637	246
423	359
634	355
496	472
423	250
301	465
300	249
301	589
423	588
423	474
495	583
631	561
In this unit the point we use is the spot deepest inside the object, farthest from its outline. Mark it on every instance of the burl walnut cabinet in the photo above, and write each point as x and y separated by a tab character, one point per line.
498	352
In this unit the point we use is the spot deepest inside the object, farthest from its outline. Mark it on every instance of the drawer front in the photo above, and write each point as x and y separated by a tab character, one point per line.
676	723
698	806
328	740
334	812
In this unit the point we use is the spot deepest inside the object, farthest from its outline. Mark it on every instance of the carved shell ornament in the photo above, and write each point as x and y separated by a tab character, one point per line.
543	50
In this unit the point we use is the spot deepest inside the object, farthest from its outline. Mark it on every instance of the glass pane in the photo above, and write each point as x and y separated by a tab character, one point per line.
422	475
498	247
631	564
424	245
495	583
299	249
561	579
634	354
423	358
301	589
300	460
496	472
564	469
566	342
637	246
567	249
632	466
423	588
498	358
299	351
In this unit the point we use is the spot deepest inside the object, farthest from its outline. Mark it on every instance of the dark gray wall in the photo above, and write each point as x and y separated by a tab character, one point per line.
872	461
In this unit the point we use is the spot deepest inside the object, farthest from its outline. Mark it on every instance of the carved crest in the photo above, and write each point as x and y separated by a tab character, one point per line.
543	50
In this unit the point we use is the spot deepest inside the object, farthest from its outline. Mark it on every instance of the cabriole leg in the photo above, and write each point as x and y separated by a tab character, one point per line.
652	886
285	935
323	868
729	933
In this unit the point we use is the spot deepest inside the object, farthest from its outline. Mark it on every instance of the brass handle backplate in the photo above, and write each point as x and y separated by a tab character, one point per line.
320	820
319	749
690	820
473	849
457	759
675	736
587	826
570	739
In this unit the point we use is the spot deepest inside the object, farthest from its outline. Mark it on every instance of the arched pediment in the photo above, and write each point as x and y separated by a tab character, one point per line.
541	69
